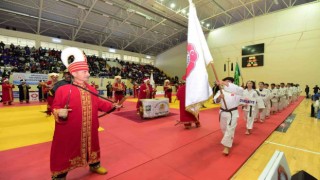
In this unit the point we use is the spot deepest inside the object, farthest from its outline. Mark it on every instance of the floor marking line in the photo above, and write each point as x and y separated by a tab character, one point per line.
300	149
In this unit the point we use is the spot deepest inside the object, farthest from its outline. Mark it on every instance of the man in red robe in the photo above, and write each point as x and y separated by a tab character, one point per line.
135	90
186	118
7	93
118	89
167	90
76	142
144	93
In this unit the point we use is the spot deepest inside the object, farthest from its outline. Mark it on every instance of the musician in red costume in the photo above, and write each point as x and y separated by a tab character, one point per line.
53	79
135	90
118	89
76	141
7	93
186	118
144	93
167	90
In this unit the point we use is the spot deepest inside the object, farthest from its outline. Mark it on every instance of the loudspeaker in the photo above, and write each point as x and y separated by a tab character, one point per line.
302	175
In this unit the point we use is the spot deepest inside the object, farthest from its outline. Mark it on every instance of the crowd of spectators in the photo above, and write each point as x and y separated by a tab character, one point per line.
44	61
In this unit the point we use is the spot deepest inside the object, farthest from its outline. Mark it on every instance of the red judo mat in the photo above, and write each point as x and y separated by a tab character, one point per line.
152	150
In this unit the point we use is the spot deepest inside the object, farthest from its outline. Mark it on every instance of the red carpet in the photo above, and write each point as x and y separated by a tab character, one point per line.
152	150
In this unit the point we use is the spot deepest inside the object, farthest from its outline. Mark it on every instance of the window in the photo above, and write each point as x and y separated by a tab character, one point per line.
90	52
147	61
131	58
17	41
110	55
54	46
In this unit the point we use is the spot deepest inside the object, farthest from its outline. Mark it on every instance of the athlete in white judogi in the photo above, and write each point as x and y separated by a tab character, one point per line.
289	86
274	99
228	117
268	103
252	102
299	89
294	93
283	93
265	96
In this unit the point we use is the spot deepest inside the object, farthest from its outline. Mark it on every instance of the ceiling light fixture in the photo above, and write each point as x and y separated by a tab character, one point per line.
172	5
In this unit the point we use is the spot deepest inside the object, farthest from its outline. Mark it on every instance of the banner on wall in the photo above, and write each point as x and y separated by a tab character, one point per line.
32	79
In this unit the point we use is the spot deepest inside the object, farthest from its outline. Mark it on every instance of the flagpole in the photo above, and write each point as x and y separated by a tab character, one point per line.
216	76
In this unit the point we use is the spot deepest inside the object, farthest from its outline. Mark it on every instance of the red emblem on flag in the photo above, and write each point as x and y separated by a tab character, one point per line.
192	58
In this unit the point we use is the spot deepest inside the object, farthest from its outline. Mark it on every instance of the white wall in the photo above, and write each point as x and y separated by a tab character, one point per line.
292	47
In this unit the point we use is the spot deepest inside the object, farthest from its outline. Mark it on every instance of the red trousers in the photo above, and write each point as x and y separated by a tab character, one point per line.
118	97
168	95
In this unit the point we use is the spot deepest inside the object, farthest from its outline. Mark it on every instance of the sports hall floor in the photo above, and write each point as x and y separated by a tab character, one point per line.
136	149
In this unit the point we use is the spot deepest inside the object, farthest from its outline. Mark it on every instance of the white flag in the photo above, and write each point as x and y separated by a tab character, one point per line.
152	81
198	89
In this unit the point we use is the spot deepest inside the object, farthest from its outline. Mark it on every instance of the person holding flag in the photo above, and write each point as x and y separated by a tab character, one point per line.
229	110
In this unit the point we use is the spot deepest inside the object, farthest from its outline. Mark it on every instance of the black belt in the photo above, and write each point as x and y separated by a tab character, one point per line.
229	111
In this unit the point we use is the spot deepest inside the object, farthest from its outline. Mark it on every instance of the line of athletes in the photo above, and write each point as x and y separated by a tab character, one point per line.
257	104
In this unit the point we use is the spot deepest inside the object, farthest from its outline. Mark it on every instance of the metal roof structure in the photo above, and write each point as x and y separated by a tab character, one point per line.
143	26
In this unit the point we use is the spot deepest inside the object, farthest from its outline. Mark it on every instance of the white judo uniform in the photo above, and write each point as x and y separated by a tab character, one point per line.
283	94
289	89
265	96
294	94
229	118
251	110
274	100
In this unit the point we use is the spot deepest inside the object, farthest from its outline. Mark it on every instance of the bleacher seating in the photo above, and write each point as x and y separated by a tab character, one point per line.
42	60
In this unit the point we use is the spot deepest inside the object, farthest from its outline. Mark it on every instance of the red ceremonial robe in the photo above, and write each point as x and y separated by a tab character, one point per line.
118	91
168	92
144	93
76	142
49	98
7	94
134	91
185	116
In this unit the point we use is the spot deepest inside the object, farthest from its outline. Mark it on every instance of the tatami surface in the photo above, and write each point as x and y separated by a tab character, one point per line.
133	148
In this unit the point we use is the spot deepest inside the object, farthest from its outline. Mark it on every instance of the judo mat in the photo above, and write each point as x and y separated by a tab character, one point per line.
141	151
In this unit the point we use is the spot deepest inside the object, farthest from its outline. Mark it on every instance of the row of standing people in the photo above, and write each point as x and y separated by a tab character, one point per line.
257	104
7	91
